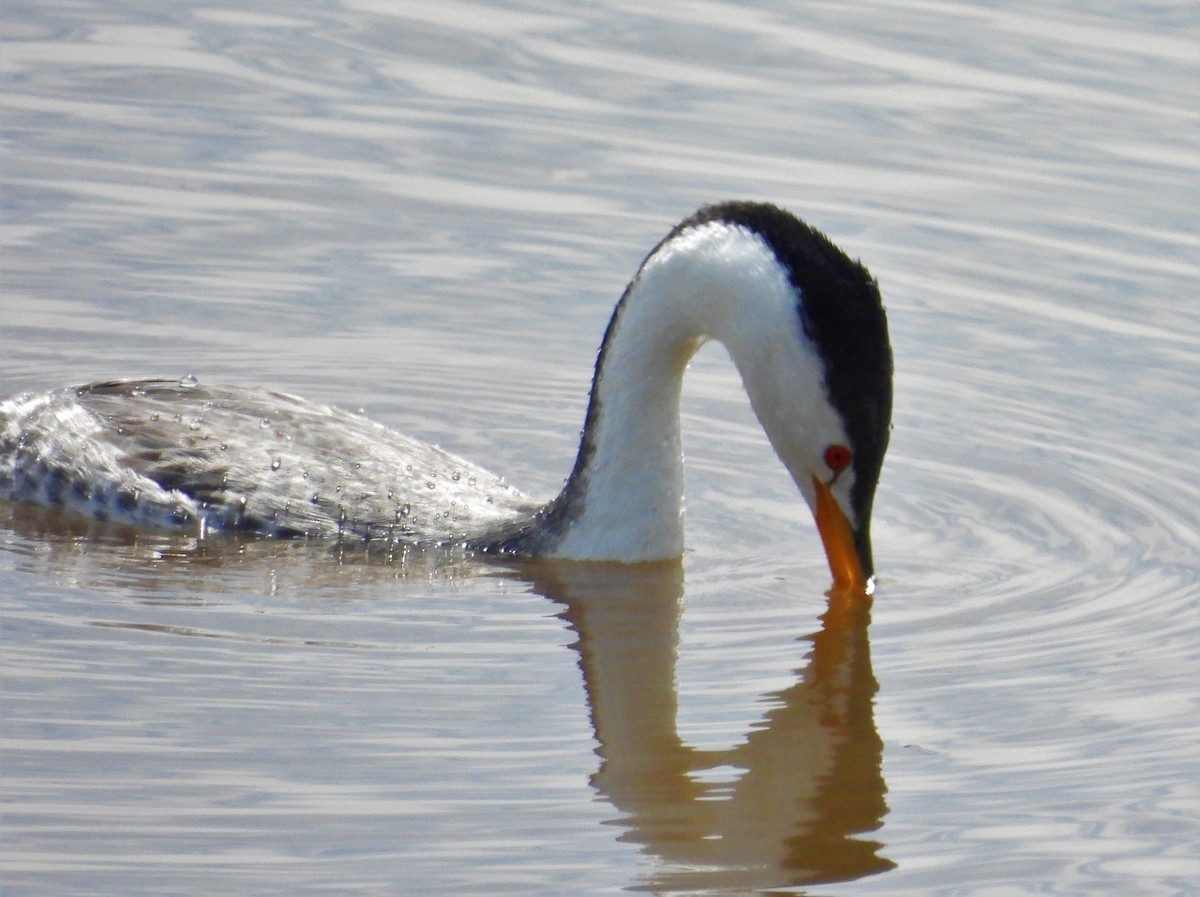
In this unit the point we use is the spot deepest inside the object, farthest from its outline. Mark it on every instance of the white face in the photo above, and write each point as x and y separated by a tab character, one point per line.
731	279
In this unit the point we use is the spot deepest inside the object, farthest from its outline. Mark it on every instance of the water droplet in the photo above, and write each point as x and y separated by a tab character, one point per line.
456	476
276	463
188	381
471	481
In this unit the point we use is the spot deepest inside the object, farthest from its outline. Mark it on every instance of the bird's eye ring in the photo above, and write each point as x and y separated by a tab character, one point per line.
838	458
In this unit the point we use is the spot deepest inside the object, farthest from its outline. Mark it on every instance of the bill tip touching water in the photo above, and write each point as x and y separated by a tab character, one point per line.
803	323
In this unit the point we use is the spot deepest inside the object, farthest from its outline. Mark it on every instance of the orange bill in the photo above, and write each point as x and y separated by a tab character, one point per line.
839	542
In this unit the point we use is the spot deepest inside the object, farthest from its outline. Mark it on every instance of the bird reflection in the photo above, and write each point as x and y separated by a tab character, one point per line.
784	808
792	805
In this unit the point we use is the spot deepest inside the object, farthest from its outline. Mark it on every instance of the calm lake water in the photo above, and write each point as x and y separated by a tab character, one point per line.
427	211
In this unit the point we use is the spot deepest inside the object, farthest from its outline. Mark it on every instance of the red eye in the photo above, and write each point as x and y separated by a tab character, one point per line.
838	457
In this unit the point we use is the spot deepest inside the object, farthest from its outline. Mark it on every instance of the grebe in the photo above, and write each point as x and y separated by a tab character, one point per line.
804	325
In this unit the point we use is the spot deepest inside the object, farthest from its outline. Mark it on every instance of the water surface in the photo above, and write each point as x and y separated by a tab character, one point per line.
427	212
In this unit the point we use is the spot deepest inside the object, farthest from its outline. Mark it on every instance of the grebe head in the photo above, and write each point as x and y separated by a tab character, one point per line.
833	430
806	328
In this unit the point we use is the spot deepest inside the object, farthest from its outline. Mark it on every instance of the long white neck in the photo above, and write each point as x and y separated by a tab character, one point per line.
624	502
